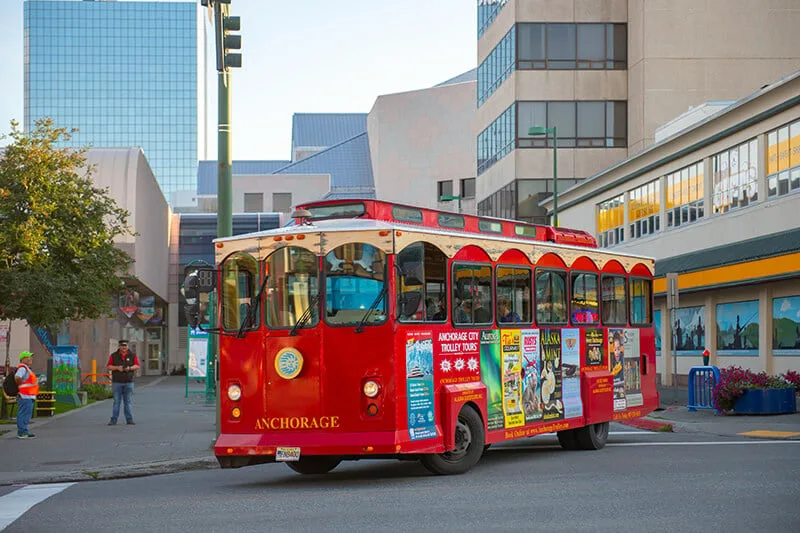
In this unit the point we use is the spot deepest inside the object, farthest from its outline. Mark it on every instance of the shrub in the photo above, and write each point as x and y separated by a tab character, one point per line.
97	392
735	380
792	378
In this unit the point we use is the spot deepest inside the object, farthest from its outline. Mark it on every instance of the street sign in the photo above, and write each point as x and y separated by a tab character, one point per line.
672	291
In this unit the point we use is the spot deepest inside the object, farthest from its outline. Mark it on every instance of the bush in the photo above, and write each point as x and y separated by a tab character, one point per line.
97	392
735	380
792	378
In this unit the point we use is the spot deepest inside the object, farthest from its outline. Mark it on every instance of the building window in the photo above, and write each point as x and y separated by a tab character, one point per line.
585	124
519	200
468	188
253	202
497	140
444	188
611	221
685	195
735	177
644	211
783	160
487	12
497	66
572	46
282	202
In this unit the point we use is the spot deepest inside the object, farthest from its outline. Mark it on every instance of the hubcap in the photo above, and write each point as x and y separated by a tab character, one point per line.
463	441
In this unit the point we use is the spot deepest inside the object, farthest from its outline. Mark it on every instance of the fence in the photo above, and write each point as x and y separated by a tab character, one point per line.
702	381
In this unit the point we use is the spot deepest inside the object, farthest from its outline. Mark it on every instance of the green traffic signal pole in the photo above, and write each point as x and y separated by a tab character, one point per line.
224	186
538	130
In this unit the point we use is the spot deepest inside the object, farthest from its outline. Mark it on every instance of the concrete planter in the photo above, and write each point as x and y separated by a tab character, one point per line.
766	402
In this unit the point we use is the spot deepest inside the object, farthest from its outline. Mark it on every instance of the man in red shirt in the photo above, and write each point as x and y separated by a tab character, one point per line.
122	365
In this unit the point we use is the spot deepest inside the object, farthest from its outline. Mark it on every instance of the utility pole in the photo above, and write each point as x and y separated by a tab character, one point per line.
224	24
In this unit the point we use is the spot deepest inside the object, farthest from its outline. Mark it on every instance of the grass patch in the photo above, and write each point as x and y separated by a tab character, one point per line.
666	428
65	407
93	475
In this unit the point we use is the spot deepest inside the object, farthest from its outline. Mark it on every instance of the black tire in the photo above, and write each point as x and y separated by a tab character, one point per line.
486	447
321	464
568	439
470	441
592	437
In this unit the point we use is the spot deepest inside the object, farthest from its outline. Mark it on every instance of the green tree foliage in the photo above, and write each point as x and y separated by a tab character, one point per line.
57	255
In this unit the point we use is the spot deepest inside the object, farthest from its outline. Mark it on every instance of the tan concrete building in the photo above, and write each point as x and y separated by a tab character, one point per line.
606	73
717	203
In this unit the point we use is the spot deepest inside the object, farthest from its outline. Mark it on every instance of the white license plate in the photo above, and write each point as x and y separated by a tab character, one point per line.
287	454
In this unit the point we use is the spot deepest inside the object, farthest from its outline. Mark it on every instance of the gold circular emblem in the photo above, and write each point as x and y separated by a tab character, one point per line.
288	363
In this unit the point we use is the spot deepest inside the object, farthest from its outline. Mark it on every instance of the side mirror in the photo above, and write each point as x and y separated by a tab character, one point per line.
409	303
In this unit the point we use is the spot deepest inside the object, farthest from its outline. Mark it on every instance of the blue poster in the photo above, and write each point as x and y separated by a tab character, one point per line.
570	372
66	375
657	327
786	325
419	386
737	328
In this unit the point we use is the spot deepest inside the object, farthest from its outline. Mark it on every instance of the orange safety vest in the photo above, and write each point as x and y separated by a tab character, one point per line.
29	387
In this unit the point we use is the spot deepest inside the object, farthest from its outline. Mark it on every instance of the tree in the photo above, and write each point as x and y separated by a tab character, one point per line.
58	260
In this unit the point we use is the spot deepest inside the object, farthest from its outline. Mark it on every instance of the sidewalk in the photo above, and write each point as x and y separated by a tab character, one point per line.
676	416
172	433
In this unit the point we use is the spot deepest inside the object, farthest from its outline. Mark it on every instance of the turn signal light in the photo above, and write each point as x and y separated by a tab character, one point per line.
372	409
236	412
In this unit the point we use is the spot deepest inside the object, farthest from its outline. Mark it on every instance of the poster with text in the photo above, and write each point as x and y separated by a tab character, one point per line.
492	378
531	364
616	365
571	372
594	349
512	378
633	376
550	382
198	353
419	385
457	357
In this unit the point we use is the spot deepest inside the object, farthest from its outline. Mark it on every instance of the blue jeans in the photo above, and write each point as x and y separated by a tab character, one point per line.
122	392
24	413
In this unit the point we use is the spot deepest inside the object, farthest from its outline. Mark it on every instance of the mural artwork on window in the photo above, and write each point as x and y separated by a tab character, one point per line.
657	326
786	325
689	331
737	328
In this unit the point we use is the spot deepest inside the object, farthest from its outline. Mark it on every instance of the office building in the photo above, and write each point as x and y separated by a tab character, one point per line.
125	74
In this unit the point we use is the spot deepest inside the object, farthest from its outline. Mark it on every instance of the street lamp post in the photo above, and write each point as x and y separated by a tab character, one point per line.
447	198
539	130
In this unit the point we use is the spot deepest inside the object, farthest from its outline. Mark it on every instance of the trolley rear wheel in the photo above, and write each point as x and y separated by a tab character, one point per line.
470	440
592	437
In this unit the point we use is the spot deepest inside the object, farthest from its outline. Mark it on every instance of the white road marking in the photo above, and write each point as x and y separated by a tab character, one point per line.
17	503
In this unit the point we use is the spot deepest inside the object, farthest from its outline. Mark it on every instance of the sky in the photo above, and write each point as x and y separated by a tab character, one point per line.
305	56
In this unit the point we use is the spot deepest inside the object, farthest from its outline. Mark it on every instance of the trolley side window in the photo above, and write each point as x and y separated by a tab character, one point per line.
584	305
551	296
641	301
513	285
421	276
239	283
472	294
614	307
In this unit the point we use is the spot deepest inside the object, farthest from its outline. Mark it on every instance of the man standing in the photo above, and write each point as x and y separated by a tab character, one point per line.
122	365
28	389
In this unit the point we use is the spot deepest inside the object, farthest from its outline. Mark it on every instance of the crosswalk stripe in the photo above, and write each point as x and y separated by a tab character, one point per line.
17	503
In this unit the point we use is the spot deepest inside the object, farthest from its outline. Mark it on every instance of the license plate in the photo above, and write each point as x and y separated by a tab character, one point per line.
287	454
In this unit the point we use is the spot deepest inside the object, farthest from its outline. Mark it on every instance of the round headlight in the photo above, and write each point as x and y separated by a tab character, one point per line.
234	393
371	389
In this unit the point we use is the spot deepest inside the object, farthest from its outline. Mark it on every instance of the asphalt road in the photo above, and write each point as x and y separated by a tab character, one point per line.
639	482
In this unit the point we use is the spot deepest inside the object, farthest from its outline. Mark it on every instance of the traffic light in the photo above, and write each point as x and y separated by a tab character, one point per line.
226	41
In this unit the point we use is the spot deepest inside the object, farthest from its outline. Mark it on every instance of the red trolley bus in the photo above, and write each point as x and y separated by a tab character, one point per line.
366	329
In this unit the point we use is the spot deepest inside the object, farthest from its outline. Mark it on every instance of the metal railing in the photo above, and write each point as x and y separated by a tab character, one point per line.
702	381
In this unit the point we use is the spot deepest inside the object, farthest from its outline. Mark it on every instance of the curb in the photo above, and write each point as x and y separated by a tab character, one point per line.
648	424
117	472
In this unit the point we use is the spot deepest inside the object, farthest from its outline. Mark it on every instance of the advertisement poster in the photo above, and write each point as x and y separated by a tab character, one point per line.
512	378
129	301
146	308
457	357
419	386
491	378
737	328
552	404
786	325
198	353
571	372
689	330
657	327
66	375
616	364
633	376
531	363
594	349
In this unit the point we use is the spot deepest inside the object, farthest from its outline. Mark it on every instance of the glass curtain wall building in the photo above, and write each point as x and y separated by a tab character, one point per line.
122	73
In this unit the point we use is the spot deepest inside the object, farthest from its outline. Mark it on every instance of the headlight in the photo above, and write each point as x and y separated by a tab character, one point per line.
371	389
234	393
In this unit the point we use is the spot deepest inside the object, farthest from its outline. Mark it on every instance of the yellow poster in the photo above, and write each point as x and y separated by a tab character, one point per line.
512	378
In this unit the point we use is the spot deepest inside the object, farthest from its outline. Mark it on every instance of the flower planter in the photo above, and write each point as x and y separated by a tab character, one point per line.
766	402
